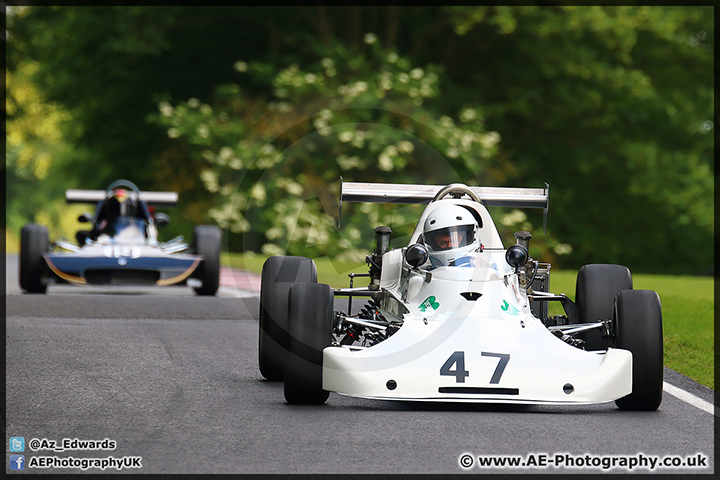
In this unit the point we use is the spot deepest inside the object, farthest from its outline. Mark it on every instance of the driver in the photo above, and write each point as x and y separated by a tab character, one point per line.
451	236
124	204
118	205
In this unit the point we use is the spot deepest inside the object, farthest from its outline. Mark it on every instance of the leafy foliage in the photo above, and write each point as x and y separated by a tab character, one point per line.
360	114
613	107
36	154
610	105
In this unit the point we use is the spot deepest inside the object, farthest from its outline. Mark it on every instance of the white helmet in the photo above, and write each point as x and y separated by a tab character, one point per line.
450	232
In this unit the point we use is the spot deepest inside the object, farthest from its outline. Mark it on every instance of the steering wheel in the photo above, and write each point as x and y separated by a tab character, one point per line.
456	190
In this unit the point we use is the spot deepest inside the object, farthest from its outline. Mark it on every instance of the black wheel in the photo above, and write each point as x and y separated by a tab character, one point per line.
81	236
207	242
278	274
310	324
33	243
595	290
637	321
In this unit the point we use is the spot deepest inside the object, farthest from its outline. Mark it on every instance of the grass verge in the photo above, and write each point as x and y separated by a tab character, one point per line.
687	304
12	242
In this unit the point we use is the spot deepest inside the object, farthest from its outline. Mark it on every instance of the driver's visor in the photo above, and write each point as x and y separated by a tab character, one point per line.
450	237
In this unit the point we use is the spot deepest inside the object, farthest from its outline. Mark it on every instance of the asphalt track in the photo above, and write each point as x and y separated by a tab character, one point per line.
173	378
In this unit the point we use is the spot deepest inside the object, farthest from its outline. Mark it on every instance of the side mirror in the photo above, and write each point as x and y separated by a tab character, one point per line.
416	255
517	256
85	218
161	219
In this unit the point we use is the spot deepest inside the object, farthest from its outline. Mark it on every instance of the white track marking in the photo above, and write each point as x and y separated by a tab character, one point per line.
688	397
235	292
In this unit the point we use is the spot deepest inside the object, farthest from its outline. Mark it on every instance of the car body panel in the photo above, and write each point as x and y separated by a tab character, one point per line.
113	264
497	324
414	356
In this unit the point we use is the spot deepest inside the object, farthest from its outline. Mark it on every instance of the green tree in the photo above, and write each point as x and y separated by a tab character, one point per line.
611	106
364	113
36	156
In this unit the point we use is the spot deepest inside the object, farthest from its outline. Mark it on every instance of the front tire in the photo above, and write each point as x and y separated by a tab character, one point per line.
33	244
637	321
278	274
207	242
595	290
311	321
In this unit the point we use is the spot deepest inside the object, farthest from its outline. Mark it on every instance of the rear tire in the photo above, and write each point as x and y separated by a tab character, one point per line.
207	242
310	322
33	244
637	321
595	290
278	274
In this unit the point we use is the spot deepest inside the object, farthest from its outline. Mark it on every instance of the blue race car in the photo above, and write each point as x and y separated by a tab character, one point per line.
121	247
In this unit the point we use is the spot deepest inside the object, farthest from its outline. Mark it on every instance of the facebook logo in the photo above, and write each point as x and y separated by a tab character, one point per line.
17	462
17	444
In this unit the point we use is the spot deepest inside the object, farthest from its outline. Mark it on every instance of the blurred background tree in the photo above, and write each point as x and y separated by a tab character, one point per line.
612	106
36	155
365	113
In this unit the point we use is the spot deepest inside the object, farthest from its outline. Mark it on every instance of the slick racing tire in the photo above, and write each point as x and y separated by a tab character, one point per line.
637	321
33	243
595	290
207	242
310	324
278	274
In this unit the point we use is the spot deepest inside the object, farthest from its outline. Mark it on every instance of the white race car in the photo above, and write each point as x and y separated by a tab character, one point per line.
456	317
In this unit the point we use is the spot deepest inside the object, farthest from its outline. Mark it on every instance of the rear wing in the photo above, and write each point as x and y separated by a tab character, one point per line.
423	194
97	196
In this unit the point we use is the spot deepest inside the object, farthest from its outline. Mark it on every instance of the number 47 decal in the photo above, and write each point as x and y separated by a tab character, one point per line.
458	359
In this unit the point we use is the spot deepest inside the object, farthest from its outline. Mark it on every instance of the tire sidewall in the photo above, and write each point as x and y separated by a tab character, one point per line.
279	273
310	329
595	291
637	321
33	244
207	240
